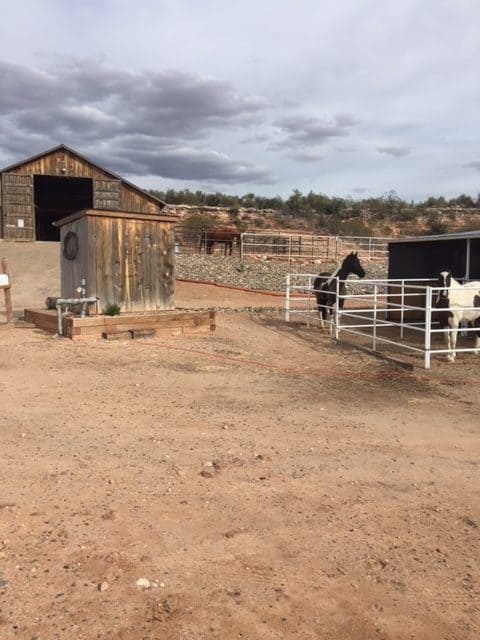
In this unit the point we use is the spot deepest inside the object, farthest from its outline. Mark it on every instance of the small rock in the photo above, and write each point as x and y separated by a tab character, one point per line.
143	583
103	586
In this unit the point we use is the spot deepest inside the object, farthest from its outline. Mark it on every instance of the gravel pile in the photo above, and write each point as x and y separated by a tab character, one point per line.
266	275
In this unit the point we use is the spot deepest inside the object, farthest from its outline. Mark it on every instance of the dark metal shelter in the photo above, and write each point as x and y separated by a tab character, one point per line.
49	186
426	256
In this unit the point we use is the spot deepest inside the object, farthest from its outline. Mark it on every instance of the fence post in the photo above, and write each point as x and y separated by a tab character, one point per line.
289	249
375	303
287	298
241	246
336	315
7	289
402	301
310	286
428	328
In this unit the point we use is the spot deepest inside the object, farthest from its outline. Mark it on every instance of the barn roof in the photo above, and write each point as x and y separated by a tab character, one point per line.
63	147
462	235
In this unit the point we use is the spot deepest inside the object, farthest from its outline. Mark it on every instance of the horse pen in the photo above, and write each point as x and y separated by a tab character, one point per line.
387	315
262	482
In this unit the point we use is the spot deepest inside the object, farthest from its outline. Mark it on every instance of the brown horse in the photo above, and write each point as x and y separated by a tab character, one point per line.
226	236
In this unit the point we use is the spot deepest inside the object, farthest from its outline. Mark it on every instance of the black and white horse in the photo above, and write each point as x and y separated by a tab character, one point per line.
457	303
325	287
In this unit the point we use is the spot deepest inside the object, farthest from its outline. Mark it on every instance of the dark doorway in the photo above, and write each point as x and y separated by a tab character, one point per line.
56	198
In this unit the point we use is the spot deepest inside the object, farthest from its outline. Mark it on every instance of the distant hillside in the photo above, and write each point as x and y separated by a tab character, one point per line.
401	221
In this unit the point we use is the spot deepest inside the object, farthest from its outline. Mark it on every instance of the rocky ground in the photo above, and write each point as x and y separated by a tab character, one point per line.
267	275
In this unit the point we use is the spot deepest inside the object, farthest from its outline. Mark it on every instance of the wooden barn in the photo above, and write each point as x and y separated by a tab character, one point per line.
41	190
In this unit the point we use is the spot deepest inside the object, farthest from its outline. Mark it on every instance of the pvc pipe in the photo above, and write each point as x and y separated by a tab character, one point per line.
63	301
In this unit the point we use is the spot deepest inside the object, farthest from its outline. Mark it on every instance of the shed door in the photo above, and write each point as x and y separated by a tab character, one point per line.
106	194
18	209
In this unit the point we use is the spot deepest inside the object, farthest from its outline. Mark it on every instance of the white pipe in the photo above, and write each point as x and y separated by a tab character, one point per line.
64	301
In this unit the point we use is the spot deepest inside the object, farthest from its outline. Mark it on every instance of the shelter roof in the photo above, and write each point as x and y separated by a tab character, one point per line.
462	235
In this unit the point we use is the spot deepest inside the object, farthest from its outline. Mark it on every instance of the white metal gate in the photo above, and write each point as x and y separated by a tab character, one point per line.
400	313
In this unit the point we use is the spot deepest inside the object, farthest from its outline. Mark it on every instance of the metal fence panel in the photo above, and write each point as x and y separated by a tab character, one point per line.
398	313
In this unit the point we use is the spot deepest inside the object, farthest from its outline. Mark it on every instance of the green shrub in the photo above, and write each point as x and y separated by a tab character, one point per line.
112	309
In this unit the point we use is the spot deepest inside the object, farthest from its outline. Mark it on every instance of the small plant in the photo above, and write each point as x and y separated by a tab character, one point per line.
112	309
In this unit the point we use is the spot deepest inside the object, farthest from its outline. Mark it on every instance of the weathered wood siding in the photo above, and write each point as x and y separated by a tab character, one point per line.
128	261
17	207
72	271
109	191
66	164
132	200
61	163
106	194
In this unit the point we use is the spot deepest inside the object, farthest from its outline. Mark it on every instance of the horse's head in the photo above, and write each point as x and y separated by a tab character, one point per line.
352	263
444	282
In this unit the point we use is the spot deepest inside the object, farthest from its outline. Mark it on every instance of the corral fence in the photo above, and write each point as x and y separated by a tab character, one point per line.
397	314
287	246
312	247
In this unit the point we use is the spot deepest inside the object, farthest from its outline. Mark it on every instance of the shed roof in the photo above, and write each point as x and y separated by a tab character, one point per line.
126	215
462	235
63	147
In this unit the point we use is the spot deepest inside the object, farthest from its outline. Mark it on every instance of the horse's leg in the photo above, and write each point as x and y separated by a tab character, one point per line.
476	335
452	339
324	320
321	314
332	318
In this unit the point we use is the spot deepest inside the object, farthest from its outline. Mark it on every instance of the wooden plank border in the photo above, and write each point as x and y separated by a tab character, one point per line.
167	323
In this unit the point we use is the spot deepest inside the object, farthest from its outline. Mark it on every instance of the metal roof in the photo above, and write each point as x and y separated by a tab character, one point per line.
462	235
63	147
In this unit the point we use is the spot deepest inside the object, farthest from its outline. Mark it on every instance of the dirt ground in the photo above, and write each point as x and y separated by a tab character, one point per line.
266	482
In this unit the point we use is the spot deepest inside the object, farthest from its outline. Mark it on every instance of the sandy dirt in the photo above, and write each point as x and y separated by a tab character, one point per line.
266	482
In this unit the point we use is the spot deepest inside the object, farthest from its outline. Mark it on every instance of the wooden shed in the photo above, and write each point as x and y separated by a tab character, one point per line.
125	258
40	190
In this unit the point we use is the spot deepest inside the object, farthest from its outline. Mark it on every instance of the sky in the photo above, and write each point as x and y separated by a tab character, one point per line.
350	98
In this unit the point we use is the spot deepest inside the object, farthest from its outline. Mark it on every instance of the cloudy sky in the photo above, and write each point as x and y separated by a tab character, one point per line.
343	97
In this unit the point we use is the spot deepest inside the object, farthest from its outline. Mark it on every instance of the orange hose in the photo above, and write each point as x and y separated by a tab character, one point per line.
229	286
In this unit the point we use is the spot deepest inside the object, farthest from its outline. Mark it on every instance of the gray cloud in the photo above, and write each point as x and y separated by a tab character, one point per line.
305	156
322	60
395	151
475	164
93	106
141	157
304	130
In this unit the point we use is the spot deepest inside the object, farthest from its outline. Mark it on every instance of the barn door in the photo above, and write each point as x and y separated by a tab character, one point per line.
18	206
106	194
